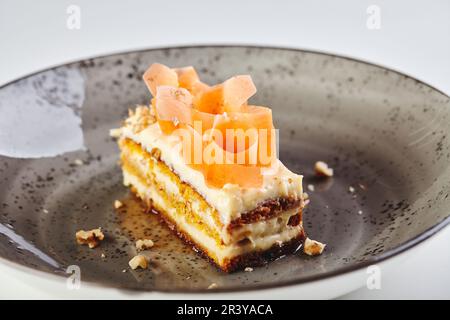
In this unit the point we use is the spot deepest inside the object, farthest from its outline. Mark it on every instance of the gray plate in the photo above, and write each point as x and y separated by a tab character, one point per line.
385	134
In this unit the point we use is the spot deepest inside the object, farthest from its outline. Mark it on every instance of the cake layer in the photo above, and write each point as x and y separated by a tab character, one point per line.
196	220
221	254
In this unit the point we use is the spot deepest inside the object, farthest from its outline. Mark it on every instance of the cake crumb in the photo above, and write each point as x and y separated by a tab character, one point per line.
310	187
140	118
144	244
248	269
313	247
103	256
351	189
78	162
118	204
92	237
138	261
115	133
322	169
213	285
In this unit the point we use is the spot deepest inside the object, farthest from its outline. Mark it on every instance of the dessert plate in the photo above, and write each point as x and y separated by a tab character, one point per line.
385	134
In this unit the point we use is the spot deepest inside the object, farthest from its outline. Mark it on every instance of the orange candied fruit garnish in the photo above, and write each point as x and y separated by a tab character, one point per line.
215	114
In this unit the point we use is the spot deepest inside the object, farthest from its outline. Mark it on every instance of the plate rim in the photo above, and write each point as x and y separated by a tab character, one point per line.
407	245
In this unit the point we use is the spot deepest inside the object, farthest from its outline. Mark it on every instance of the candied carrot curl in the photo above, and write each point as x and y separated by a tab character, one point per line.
223	137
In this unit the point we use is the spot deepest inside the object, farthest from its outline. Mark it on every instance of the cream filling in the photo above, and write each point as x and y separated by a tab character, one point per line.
231	200
221	252
263	228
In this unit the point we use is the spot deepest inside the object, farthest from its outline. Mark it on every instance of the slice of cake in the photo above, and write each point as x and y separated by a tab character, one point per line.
206	161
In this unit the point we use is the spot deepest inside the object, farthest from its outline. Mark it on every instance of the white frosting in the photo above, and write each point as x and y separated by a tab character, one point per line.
231	200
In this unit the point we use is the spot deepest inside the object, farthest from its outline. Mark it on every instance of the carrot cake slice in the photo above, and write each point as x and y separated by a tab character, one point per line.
206	160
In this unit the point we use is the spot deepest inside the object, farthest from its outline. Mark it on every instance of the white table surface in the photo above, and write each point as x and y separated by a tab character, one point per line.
413	38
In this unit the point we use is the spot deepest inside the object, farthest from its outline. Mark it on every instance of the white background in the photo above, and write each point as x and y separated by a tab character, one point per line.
414	38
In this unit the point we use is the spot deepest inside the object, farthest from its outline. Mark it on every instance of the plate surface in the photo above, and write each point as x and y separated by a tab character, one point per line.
385	134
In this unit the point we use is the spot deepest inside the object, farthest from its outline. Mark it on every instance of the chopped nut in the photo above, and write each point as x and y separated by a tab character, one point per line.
92	237
115	133
322	169
140	119
78	162
118	204
144	244
213	285
351	189
313	247
138	261
310	187
248	269
155	153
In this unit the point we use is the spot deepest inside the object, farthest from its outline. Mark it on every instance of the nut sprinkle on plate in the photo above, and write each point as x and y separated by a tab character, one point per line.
322	169
91	238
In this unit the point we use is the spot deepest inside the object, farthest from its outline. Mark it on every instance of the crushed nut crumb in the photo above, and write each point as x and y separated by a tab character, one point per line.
322	169
92	237
115	133
310	187
248	269
351	189
118	204
78	162
124	270
140	118
156	153
313	247
144	244
103	256
213	286
138	261
360	212
45	211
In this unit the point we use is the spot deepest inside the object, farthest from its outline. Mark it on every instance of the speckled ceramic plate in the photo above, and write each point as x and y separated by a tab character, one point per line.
385	134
